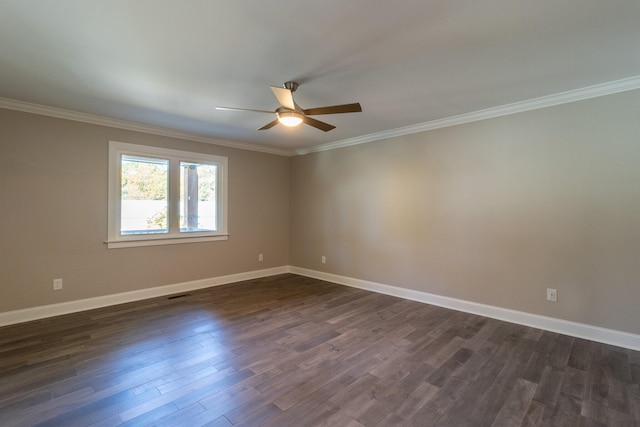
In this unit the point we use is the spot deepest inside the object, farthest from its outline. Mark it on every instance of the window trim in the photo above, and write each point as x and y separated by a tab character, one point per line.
117	240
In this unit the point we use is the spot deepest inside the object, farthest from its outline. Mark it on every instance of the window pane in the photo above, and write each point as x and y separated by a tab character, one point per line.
198	197
144	195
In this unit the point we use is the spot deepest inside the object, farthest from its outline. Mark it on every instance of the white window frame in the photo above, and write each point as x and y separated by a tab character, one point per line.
116	239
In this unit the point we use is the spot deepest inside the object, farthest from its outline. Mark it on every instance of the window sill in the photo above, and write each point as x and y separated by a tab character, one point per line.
132	243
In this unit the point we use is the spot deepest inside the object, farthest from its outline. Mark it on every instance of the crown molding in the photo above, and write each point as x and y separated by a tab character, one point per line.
595	91
60	113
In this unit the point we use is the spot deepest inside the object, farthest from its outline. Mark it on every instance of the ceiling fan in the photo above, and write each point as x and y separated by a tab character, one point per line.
290	114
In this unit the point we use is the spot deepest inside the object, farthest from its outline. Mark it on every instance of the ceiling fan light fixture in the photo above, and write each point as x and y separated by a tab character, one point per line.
290	114
289	118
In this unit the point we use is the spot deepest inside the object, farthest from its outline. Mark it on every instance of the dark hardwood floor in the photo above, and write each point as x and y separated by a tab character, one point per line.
294	351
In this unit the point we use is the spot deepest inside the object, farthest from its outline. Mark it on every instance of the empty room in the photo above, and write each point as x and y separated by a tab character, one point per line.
336	213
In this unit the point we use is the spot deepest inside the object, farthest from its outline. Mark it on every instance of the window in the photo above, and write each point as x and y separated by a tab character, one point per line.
159	196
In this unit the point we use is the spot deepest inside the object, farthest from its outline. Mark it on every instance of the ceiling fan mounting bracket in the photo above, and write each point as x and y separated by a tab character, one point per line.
292	86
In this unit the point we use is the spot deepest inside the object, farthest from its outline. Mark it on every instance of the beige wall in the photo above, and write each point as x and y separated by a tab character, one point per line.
492	212
53	215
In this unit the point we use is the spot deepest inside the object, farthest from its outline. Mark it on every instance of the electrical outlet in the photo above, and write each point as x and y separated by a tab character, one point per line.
260	257
324	259
552	294
57	284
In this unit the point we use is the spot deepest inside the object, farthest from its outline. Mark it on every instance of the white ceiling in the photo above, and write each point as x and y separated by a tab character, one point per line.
169	63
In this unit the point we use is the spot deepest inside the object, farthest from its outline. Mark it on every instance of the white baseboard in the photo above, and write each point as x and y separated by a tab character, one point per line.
41	312
579	330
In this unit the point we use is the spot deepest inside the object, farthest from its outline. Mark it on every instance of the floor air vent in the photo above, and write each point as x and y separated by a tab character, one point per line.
178	296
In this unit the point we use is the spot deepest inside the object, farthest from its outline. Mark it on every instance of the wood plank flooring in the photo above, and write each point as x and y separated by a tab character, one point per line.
294	351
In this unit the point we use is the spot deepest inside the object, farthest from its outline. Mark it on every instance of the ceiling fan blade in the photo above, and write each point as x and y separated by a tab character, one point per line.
243	109
318	124
269	125
285	97
334	109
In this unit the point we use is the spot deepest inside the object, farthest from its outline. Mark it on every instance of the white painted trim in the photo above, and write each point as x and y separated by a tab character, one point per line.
603	89
173	235
579	330
45	110
594	91
566	327
34	313
111	244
